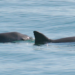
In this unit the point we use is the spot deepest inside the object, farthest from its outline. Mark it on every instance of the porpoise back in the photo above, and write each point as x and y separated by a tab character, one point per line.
42	39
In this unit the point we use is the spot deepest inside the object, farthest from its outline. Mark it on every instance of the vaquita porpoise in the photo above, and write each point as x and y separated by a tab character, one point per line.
42	39
13	36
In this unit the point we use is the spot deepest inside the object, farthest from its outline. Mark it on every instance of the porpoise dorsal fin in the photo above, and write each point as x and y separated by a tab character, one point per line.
40	38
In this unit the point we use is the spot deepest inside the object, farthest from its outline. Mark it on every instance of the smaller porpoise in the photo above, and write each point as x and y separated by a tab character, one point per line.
13	36
42	39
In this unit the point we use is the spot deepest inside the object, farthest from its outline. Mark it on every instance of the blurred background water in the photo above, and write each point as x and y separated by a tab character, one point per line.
54	18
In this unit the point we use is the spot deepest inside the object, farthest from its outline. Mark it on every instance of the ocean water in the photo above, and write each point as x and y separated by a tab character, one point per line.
55	19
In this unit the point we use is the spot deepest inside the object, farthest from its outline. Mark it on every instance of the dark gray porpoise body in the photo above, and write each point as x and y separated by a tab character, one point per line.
42	39
13	36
